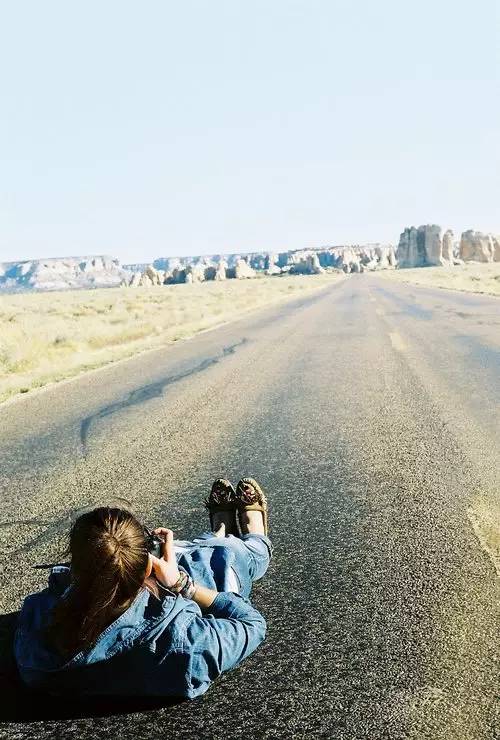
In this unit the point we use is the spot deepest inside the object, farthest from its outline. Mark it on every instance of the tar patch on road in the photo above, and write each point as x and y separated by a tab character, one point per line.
150	391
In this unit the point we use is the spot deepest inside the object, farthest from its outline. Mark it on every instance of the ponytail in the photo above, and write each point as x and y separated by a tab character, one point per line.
108	566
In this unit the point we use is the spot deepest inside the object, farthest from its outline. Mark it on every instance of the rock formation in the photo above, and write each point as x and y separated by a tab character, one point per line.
61	274
301	261
136	267
433	245
423	246
359	258
347	258
271	264
420	247
216	272
135	280
448	246
84	272
195	273
154	276
350	260
478	247
221	270
307	264
240	270
408	254
145	279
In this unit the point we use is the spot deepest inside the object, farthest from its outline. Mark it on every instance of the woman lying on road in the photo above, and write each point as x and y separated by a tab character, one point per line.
122	621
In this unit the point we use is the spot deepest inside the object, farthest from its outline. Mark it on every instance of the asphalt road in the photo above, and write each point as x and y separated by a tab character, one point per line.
370	412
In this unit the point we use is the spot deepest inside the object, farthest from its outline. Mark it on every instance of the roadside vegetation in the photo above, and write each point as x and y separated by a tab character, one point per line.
46	337
472	277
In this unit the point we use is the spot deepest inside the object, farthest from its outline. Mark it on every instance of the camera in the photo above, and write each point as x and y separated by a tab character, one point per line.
153	543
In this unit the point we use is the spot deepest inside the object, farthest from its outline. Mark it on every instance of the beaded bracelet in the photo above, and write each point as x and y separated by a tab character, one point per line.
180	583
184	586
189	589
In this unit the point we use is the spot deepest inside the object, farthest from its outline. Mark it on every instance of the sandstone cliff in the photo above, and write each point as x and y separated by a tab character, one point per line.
421	247
448	246
357	258
306	264
61	274
478	247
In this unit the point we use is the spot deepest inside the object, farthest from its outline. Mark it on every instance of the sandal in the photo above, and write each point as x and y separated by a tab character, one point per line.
251	497
222	497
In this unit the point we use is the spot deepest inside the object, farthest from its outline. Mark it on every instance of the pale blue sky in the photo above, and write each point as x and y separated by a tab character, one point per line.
152	128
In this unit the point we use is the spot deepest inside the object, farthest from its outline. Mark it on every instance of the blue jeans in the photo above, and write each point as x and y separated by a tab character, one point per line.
216	561
261	550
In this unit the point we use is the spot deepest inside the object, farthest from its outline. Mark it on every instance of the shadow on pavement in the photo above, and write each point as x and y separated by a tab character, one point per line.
20	704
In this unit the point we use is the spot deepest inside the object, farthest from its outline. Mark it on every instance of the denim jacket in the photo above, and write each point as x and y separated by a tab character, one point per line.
158	647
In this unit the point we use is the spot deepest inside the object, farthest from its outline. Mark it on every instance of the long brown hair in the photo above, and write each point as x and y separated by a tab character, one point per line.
109	562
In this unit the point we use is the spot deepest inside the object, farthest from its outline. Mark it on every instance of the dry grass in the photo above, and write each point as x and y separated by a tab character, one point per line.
471	277
46	337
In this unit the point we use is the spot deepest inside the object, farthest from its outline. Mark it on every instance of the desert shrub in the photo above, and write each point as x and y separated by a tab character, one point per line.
111	340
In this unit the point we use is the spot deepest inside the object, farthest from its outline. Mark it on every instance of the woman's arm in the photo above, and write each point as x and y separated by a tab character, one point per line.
220	640
189	656
204	597
167	571
228	631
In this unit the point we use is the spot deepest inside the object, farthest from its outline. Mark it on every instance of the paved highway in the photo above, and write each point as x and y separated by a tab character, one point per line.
370	412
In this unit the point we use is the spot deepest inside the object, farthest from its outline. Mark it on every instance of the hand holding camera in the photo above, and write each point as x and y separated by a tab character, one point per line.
161	551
